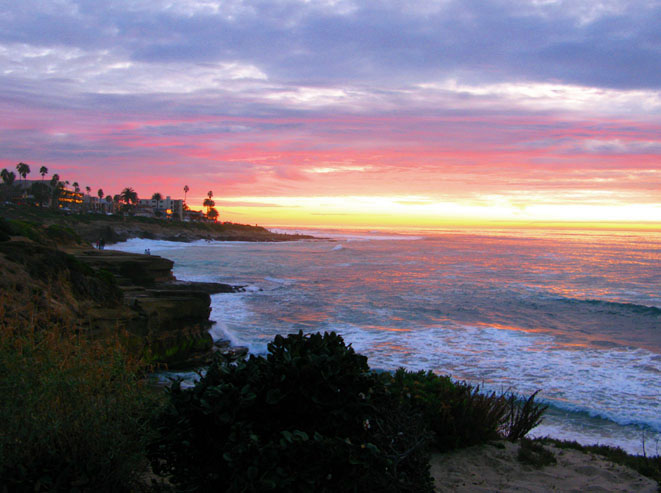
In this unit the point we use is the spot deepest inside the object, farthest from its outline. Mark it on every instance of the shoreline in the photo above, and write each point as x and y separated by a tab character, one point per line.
561	422
115	229
478	464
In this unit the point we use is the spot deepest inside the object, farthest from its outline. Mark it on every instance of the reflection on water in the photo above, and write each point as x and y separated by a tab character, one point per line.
577	315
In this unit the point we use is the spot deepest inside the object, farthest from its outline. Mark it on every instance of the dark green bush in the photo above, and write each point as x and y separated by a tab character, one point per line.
309	416
5	229
312	416
457	413
63	234
27	229
534	454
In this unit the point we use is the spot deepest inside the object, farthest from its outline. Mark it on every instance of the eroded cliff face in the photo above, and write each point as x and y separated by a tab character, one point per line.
106	292
166	323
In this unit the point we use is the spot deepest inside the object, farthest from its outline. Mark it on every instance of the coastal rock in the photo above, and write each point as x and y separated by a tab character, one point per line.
167	321
130	268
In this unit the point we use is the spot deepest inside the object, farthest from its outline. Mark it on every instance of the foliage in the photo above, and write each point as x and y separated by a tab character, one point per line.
63	235
8	177
523	417
457	413
534	454
73	413
23	169
55	267
41	192
5	229
309	416
212	214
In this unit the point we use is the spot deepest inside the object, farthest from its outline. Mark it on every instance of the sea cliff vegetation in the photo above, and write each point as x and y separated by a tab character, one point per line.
91	227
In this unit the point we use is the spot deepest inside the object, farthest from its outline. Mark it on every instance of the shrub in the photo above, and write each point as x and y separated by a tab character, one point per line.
534	454
73	413
309	416
523	416
457	413
63	235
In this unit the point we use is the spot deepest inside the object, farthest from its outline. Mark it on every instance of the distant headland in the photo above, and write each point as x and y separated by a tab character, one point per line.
114	218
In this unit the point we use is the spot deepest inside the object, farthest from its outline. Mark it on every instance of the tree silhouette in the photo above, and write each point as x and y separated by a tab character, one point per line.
157	197
88	190
129	197
212	214
99	193
75	186
43	171
208	203
210	194
41	192
186	190
23	170
8	177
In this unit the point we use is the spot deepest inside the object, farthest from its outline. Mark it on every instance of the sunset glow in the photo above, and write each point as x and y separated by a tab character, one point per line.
346	113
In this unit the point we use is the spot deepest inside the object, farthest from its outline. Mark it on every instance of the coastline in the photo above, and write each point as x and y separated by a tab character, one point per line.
477	463
115	229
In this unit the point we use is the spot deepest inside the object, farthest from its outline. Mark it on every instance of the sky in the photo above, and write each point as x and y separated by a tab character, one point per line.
346	113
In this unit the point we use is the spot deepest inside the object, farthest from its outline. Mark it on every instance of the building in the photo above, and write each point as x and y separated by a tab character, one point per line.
167	207
67	199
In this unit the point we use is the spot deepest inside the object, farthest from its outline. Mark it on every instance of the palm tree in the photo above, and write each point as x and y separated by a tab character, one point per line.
210	194
8	177
75	186
157	197
129	197
23	169
88	190
186	190
43	171
54	180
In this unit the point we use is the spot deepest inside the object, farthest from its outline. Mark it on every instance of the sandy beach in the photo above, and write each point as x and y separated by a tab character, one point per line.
489	468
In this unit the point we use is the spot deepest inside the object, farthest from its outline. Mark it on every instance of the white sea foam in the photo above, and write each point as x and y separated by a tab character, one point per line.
429	305
352	235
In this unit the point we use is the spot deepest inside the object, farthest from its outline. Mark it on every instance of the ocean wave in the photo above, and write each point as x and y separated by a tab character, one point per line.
616	306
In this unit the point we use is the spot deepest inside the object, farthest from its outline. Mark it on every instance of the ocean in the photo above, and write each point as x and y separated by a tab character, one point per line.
574	314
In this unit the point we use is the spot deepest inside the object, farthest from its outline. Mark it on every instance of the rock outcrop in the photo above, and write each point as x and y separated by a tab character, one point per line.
46	284
167	320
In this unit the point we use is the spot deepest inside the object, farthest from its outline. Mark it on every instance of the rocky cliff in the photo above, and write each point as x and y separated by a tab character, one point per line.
45	282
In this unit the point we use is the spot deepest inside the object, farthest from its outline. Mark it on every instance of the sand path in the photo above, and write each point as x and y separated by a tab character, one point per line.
488	468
